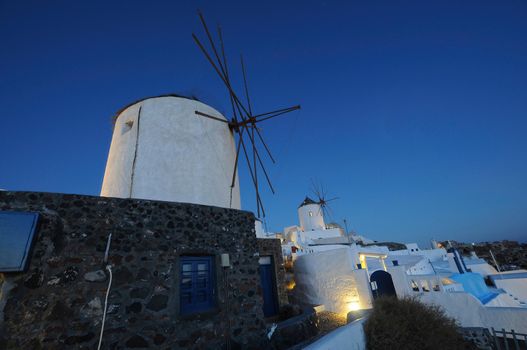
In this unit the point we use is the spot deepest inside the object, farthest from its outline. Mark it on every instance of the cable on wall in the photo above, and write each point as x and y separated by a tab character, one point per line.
109	268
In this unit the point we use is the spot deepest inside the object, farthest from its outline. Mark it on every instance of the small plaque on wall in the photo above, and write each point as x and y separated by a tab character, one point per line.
17	231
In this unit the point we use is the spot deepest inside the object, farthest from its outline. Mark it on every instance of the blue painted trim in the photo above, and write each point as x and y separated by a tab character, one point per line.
508	276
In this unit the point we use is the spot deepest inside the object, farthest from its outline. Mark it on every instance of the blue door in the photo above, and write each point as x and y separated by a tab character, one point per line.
196	284
267	277
382	284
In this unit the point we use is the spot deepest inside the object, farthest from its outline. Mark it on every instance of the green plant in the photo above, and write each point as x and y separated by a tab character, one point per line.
409	324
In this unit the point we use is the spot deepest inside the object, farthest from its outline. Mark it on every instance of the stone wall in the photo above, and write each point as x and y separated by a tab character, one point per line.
273	247
57	303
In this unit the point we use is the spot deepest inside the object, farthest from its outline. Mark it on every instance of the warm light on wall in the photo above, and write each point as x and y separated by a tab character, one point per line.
290	285
353	306
352	301
383	264
362	260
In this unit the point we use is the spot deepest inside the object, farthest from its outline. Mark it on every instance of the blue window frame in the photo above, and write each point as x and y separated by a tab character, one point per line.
17	232
196	284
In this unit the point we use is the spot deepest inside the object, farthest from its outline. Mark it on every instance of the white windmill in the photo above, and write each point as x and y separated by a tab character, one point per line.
161	151
178	149
312	213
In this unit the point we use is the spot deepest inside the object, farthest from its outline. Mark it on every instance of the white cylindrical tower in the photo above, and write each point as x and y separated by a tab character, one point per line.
162	150
311	216
259	229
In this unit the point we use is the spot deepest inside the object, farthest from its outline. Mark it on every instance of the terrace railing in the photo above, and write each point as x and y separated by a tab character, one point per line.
504	340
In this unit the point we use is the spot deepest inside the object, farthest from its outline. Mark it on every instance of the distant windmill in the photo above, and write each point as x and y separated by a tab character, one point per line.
243	121
322	198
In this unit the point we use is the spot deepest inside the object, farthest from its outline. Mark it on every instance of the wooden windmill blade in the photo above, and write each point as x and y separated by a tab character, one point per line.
258	199
260	162
237	106
245	85
233	123
287	110
254	128
328	212
243	122
235	119
322	200
223	66
253	169
316	189
211	41
264	144
220	71
210	116
220	35
322	193
255	166
276	111
328	208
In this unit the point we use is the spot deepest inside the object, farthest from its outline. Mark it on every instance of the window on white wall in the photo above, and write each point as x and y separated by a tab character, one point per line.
424	286
310	213
127	126
415	287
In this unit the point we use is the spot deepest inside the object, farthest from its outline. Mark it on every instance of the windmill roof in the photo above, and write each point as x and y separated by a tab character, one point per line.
307	201
149	97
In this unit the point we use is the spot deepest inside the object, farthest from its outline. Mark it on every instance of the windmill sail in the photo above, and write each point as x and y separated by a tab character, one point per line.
243	122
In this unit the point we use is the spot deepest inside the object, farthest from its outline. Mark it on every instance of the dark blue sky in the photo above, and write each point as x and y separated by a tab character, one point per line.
413	113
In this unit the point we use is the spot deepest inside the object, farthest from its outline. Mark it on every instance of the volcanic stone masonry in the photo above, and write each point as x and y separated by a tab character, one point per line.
273	247
58	302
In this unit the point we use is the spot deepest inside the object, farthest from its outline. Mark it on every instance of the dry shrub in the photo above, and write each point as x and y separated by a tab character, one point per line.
409	324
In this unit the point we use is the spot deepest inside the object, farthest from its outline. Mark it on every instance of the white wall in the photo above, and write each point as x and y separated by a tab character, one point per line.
179	156
483	269
400	280
350	336
516	286
328	278
423	267
259	229
117	176
311	217
469	312
317	234
412	248
432	254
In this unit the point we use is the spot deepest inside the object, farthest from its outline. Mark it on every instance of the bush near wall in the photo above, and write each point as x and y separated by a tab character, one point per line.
409	324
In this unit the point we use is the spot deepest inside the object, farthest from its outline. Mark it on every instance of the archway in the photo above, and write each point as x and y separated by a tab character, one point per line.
382	284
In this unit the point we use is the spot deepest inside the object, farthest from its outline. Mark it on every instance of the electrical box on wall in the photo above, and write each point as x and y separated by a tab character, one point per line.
225	261
17	232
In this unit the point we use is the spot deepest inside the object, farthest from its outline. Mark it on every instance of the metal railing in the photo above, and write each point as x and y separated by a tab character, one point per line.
509	340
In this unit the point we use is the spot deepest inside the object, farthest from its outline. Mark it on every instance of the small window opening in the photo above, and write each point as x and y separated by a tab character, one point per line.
127	126
415	287
424	286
